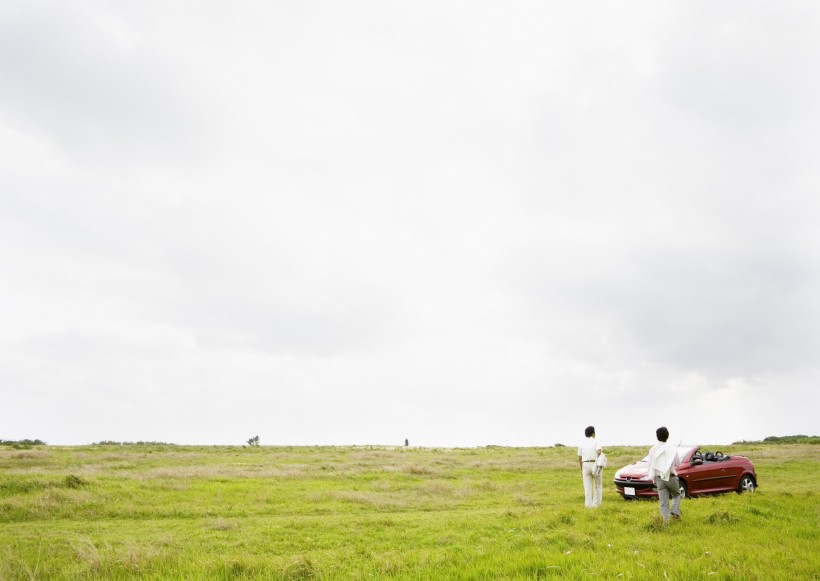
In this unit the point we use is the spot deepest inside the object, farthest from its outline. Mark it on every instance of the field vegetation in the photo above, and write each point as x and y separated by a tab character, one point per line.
156	511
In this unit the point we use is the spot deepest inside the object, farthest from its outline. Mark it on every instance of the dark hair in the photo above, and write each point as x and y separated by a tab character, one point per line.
590	431
662	433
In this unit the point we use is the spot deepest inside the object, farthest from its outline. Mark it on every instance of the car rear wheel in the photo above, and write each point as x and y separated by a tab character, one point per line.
683	490
747	484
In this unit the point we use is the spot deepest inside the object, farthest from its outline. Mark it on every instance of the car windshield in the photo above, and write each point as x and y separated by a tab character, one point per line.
682	452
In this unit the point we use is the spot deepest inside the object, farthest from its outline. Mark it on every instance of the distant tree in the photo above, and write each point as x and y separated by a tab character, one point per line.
796	439
26	442
253	441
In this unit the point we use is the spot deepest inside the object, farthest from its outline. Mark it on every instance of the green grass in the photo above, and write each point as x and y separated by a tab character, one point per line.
174	512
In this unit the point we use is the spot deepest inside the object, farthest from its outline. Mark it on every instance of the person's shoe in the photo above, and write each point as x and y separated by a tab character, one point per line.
676	517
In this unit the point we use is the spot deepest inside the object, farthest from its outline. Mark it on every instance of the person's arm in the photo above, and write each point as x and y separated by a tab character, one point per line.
676	463
650	458
598	468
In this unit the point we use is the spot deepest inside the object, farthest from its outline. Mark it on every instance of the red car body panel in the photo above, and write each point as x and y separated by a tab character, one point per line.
699	473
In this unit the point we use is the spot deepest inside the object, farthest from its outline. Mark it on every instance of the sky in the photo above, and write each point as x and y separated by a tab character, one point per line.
460	223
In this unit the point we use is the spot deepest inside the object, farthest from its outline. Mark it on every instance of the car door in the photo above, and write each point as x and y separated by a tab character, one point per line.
708	477
732	470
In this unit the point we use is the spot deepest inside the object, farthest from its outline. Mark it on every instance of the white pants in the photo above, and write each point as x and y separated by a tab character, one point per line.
593	485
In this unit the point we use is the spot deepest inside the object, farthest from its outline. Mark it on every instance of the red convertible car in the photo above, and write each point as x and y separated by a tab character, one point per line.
699	473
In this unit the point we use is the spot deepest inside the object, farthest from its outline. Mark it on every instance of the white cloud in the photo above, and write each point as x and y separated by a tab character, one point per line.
460	224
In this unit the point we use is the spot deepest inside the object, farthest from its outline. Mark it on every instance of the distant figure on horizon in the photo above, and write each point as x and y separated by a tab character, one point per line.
663	458
588	453
406	442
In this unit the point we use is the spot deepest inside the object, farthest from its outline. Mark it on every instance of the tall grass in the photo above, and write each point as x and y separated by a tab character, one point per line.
175	512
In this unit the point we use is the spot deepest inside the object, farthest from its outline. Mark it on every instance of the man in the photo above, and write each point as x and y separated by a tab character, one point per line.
588	453
663	459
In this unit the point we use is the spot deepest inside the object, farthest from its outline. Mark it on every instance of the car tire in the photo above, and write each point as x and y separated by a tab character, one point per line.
683	490
747	484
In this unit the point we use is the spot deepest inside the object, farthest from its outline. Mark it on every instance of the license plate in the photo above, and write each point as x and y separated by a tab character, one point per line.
629	491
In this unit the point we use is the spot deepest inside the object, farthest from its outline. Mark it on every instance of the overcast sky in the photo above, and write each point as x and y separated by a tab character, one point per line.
461	223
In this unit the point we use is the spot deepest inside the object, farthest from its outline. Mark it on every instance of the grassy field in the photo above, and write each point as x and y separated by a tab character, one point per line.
174	512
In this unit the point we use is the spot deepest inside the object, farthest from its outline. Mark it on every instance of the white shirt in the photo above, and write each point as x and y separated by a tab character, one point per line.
663	457
589	449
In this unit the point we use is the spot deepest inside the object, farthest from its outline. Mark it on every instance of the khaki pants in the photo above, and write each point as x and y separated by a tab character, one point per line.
667	488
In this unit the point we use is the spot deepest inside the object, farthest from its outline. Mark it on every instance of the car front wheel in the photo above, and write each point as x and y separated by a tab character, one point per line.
747	484
683	491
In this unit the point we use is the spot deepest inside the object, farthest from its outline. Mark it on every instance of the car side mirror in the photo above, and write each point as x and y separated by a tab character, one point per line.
696	461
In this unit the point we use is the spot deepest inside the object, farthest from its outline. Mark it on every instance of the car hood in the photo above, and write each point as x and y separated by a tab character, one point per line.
636	471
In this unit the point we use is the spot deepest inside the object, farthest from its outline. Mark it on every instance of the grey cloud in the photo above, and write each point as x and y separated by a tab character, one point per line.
72	78
725	311
724	314
749	72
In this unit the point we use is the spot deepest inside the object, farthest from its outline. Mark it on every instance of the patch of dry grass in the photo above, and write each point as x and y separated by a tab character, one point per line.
222	524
